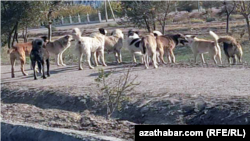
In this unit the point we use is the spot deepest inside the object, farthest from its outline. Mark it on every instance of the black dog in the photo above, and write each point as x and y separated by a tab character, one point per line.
39	54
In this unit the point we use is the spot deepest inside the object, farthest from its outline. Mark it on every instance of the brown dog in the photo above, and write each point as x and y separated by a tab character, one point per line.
167	43
19	51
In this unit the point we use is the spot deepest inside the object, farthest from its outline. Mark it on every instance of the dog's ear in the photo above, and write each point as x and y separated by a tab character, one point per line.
102	31
155	34
44	38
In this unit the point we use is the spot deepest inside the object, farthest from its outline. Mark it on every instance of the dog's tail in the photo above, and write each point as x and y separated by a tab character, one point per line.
10	50
144	44
215	36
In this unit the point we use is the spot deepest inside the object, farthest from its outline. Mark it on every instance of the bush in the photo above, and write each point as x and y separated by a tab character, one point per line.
210	19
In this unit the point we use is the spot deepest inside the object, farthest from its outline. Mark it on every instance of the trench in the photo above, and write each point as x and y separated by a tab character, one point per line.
165	109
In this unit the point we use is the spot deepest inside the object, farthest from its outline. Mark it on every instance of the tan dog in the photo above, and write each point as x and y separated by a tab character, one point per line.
167	43
19	51
149	46
232	48
201	46
114	44
58	47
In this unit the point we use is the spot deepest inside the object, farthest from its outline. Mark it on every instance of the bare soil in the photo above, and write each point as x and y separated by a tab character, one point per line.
172	94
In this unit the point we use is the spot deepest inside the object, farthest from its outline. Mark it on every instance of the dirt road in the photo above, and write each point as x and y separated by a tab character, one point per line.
214	81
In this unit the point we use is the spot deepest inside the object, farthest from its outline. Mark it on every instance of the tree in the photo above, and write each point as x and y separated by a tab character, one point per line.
163	9
228	9
140	13
15	15
243	7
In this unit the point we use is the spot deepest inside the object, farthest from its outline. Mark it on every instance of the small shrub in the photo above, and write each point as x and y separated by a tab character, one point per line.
114	90
210	19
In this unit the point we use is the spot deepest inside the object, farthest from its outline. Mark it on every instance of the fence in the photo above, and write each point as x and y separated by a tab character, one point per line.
78	19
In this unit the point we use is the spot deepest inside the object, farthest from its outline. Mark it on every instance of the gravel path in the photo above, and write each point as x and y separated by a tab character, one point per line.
212	81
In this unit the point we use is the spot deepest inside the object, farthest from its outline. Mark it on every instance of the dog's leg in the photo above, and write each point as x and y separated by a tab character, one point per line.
145	60
154	60
61	59
214	58
202	58
48	65
172	56
58	59
161	51
39	67
22	59
95	59
102	58
133	57
168	56
12	60
234	60
116	57
120	56
43	72
88	60
80	61
195	58
34	71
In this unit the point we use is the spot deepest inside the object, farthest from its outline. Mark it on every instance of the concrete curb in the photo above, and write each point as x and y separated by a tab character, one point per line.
28	132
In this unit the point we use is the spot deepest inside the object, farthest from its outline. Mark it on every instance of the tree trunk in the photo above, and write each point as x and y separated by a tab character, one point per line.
227	23
49	31
111	10
0	43
106	12
248	28
147	24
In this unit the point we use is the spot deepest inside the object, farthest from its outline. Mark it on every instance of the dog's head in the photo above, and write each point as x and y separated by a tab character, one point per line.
103	31
76	32
157	33
67	38
180	38
45	38
133	34
118	33
37	44
190	38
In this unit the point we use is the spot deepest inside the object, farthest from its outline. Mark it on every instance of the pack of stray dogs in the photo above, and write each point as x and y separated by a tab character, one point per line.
151	49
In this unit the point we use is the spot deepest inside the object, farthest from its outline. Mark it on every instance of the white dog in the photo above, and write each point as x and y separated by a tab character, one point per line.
90	45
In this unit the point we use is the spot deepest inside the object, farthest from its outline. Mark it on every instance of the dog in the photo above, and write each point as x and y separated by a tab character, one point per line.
38	55
90	45
114	43
201	46
149	47
232	48
167	43
134	45
58	47
19	51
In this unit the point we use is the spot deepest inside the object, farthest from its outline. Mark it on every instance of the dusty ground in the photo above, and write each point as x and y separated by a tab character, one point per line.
172	94
180	78
182	93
